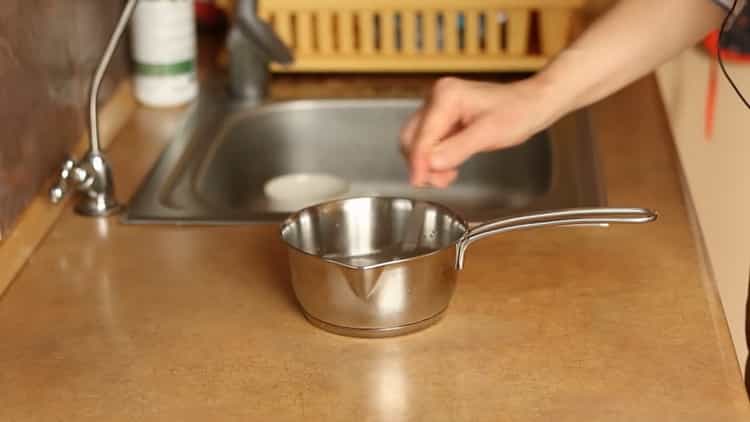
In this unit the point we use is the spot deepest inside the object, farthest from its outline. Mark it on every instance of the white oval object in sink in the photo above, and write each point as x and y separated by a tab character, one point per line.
295	190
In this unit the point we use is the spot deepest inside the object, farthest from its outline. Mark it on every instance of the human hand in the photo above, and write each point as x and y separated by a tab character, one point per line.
461	118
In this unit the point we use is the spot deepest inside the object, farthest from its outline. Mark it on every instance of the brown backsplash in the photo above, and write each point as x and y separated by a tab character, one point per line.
48	50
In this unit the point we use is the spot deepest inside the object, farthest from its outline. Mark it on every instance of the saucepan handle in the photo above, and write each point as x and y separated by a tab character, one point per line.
564	217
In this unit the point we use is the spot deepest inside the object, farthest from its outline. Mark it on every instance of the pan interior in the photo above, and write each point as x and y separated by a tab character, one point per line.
368	231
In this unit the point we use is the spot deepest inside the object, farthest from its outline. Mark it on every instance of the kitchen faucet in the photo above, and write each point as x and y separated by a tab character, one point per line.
92	176
252	45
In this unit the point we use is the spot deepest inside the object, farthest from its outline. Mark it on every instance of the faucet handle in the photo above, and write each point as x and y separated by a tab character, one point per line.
70	173
57	193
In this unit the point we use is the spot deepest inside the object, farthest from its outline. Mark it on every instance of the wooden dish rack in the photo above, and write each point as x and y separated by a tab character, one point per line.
421	36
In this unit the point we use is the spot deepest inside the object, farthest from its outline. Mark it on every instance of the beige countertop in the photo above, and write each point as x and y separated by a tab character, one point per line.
114	322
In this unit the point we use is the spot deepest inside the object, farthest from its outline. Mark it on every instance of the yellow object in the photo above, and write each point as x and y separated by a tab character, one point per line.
420	36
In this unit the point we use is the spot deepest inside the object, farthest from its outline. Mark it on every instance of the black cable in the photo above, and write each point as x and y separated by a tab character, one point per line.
718	54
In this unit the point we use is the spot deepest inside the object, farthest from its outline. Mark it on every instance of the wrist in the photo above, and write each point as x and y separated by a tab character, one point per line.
566	81
549	95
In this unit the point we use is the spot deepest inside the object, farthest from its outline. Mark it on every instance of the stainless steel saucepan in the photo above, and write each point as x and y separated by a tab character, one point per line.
379	266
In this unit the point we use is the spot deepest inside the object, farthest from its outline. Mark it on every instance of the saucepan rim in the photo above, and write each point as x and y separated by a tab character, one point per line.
452	213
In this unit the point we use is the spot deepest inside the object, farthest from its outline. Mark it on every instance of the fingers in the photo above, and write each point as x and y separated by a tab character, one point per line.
439	118
439	179
435	121
461	118
409	130
418	165
442	179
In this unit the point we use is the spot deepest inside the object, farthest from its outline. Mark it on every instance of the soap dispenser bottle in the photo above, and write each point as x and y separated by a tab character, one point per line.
163	47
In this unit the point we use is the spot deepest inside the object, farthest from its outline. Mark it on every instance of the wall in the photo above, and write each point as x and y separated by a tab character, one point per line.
48	50
717	173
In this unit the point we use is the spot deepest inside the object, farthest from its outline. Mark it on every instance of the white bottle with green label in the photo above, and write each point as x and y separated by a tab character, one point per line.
163	43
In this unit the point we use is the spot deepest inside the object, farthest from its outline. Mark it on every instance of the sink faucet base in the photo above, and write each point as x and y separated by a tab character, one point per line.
92	177
99	199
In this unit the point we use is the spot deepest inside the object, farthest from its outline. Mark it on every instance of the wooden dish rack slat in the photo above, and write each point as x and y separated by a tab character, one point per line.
421	36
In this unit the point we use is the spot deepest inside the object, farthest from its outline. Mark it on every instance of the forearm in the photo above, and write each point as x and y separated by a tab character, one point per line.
629	41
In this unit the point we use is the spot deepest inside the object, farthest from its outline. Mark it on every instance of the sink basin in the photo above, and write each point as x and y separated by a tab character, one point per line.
216	168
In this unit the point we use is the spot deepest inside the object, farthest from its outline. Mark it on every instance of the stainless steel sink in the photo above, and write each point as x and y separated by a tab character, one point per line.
215	169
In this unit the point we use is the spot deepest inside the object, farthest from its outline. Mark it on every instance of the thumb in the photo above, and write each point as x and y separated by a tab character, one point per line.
438	121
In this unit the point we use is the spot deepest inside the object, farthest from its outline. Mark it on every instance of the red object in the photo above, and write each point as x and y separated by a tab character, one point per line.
208	15
711	44
708	127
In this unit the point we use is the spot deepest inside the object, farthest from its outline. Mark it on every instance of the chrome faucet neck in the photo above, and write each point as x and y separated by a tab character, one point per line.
252	46
92	176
